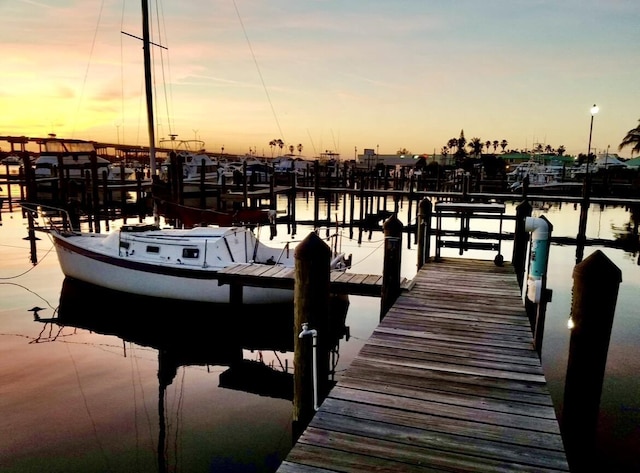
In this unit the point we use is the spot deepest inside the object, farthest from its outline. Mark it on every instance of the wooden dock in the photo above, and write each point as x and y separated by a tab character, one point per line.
281	277
449	381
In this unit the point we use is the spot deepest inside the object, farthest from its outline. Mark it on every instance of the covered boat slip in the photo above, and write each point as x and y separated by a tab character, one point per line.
449	381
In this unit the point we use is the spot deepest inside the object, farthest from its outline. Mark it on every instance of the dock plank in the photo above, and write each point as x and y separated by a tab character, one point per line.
448	381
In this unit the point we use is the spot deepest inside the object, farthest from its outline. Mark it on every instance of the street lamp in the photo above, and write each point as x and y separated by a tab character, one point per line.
594	110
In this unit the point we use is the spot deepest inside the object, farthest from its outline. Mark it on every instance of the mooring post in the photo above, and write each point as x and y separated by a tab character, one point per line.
520	240
245	192
582	225
8	191
595	290
203	188
316	192
311	307
425	210
292	199
537	294
31	236
392	229
362	206
95	194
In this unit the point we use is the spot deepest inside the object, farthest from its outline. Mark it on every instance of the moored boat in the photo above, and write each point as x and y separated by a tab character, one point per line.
171	263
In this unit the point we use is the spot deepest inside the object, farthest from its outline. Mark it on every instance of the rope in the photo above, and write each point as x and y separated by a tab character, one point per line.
255	61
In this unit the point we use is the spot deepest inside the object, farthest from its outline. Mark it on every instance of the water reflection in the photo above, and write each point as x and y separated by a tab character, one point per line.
188	333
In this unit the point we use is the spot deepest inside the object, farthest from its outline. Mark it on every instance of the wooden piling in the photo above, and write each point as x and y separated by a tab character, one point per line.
584	211
94	187
595	290
9	198
311	306
362	205
520	240
31	236
316	192
545	298
425	209
392	229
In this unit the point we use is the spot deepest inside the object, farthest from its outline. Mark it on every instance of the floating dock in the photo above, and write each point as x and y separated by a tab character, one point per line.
449	381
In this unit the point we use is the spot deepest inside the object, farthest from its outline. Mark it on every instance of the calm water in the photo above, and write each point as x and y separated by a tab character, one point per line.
101	394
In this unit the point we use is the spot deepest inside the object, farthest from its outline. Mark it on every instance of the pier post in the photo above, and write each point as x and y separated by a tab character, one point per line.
245	191
9	199
31	236
293	192
595	290
584	211
311	306
392	229
536	293
316	191
520	240
424	231
94	191
362	206
203	187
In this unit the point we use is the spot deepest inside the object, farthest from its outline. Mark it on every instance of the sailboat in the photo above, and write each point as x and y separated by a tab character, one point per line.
173	263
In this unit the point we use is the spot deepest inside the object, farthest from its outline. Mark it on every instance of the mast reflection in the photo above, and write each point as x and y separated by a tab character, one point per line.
186	333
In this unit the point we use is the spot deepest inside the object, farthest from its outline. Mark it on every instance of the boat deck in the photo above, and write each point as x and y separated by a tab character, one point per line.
449	381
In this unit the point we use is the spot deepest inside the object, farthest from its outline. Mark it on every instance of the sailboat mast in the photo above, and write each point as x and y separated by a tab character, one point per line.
146	47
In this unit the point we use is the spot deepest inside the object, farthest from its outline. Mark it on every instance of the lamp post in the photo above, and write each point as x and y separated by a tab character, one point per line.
594	110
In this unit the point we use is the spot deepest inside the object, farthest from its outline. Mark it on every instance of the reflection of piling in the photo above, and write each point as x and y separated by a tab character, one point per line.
31	236
311	306
392	228
595	289
424	231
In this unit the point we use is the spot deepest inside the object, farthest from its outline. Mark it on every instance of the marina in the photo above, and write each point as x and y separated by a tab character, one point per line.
248	237
363	313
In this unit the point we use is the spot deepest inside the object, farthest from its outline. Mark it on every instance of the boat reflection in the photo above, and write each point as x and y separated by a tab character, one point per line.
187	333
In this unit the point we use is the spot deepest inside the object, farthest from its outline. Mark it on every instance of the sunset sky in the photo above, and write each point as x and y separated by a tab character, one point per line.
331	75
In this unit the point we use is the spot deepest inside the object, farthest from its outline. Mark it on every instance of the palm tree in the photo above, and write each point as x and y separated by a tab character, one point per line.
487	145
632	139
280	144
300	148
291	148
445	152
503	144
452	143
476	146
495	143
561	150
272	144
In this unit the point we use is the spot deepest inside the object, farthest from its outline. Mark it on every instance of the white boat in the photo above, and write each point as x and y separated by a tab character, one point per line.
75	156
194	160
171	263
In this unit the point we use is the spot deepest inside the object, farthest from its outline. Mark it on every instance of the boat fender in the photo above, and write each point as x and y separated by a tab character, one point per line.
337	262
538	257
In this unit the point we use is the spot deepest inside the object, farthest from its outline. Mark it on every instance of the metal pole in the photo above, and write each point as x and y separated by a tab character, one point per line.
589	149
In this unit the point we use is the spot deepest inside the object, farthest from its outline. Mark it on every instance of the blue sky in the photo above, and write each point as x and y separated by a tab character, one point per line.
331	75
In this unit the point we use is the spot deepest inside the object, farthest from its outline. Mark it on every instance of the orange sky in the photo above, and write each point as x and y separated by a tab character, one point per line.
340	76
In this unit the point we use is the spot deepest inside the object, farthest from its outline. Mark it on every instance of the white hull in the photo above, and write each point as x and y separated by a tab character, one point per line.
107	275
176	264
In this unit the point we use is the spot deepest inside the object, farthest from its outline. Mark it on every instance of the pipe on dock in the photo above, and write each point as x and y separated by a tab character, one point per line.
539	256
